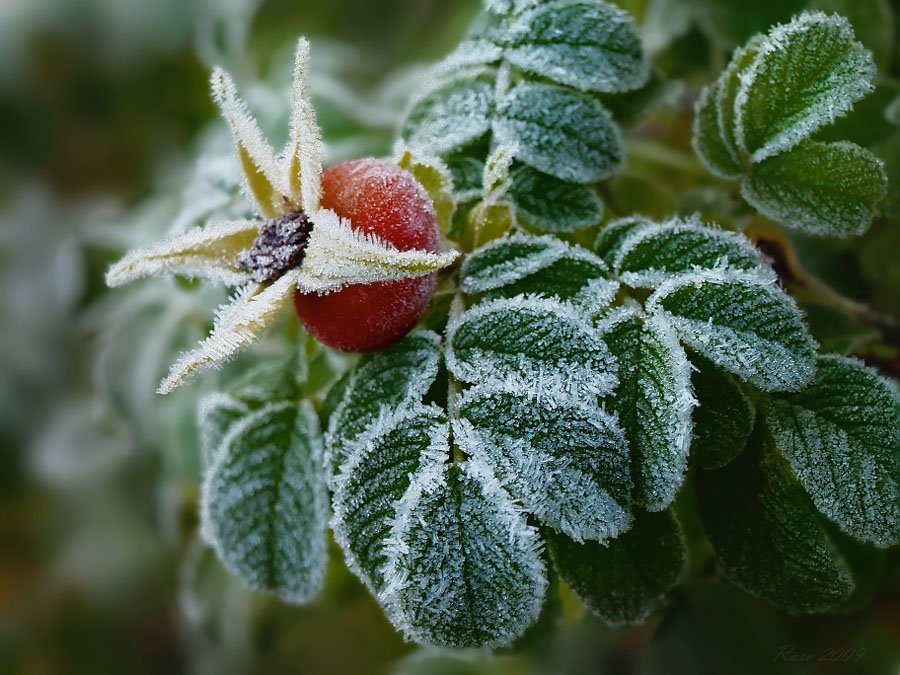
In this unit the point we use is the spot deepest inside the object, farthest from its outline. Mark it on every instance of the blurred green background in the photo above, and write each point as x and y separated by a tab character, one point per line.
108	138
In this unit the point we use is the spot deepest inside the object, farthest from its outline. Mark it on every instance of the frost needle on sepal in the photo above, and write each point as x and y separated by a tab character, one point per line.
282	187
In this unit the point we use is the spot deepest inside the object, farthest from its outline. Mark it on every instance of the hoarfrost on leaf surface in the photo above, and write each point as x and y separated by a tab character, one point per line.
654	402
531	344
466	567
806	74
841	436
264	503
650	255
564	459
708	138
828	189
742	323
561	132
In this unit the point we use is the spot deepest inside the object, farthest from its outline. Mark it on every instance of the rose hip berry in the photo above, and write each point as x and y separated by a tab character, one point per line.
378	198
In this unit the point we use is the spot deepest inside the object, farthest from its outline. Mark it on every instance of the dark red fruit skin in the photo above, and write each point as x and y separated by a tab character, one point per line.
377	197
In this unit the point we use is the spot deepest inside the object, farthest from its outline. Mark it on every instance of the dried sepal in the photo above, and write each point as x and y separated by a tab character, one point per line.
304	152
339	255
210	252
264	177
237	325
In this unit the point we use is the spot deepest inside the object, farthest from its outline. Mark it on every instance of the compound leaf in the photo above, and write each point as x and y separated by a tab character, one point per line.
560	132
466	568
627	580
653	402
455	112
767	537
806	74
530	343
841	436
742	323
592	46
264	504
564	460
827	189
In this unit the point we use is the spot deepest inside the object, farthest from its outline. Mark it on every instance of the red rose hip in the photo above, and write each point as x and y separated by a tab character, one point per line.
380	198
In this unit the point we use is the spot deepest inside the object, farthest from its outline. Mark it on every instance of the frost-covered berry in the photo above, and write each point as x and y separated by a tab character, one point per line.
381	199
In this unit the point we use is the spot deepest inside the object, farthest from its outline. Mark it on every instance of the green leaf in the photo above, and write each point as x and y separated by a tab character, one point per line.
453	113
807	73
374	479
822	188
381	385
708	136
466	567
433	175
560	132
566	461
653	402
744	324
592	46
532	343
264	506
551	205
615	232
873	23
217	412
767	537
627	580
841	436
467	175
723	418
525	264
652	254
726	95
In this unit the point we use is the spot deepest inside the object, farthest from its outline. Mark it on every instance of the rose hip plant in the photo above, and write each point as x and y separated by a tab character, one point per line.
550	391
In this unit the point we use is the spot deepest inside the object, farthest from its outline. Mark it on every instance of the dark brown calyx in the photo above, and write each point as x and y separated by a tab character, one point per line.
279	247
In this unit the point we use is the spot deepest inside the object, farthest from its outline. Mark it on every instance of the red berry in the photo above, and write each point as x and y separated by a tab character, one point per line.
377	197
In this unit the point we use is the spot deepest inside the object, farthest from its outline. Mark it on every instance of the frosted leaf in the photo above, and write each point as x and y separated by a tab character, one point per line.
529	343
525	264
208	253
767	537
509	6
742	323
627	580
592	46
450	114
217	412
263	175
466	568
435	177
615	232
708	137
388	381
237	325
841	436
566	461
561	132
723	418
264	503
828	189
730	84
653	401
338	255
548	204
474	51
370	483
652	254
305	148
806	74
467	173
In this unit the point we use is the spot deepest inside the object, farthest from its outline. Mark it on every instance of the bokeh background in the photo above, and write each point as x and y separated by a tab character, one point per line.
108	138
